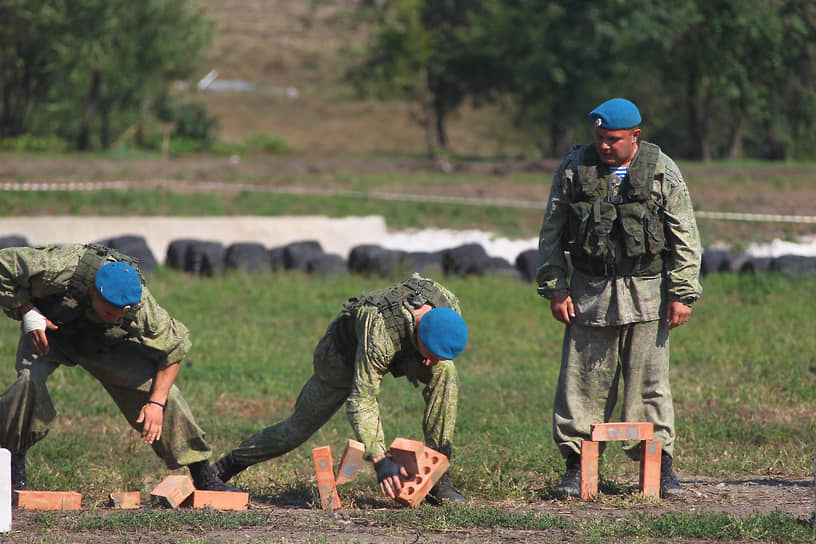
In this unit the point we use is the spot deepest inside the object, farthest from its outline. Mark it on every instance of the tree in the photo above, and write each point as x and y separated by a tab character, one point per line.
416	53
93	61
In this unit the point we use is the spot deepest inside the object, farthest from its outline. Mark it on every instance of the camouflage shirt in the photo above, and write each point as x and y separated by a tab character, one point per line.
37	275
618	300
376	356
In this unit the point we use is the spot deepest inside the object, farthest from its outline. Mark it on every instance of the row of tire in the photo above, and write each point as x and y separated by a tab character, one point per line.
205	258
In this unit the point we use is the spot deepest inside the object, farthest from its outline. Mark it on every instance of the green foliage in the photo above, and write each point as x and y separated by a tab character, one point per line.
29	142
90	68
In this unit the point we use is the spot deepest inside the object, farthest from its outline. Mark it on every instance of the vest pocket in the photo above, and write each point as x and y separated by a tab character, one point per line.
633	221
655	238
578	222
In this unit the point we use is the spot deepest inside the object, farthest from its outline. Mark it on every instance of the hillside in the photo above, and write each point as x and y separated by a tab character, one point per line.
284	44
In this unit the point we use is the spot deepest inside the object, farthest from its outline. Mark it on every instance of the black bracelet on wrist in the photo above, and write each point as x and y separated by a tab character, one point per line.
156	403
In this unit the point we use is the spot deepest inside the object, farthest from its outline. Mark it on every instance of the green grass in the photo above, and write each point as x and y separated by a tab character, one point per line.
743	375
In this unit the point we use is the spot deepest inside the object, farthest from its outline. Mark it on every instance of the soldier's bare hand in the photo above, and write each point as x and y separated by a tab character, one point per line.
678	314
152	417
562	308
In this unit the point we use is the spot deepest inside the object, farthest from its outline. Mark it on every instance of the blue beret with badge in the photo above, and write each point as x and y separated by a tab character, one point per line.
616	114
119	284
443	332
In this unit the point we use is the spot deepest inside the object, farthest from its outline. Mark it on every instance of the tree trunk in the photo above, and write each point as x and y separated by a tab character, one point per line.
84	136
439	117
698	122
735	138
427	115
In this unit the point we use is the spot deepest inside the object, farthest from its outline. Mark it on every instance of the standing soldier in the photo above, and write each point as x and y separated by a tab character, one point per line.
86	305
412	329
621	209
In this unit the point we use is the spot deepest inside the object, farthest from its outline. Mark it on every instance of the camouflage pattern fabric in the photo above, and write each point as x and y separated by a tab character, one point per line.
354	378
590	373
619	327
124	363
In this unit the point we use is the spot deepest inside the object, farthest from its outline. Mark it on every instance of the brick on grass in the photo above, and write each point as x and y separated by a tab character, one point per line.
589	469
326	485
173	490
432	465
605	432
126	500
350	462
650	451
47	500
217	500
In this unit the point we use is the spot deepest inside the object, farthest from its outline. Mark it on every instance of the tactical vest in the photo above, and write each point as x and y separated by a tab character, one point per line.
390	302
600	225
67	310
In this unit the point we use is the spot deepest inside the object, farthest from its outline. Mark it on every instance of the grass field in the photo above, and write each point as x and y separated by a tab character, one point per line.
743	380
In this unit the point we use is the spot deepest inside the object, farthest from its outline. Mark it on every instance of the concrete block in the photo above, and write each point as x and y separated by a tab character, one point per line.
126	500
5	490
173	490
326	485
217	500
589	469
47	500
650	451
432	465
605	432
350	462
408	453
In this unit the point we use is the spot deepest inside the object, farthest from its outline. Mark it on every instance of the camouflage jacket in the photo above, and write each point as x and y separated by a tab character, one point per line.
43	274
610	300
377	355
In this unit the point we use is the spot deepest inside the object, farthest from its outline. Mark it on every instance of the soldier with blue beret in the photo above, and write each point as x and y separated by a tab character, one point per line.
620	210
87	305
412	329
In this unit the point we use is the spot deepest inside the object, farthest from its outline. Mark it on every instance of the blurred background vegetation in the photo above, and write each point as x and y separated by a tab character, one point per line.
725	79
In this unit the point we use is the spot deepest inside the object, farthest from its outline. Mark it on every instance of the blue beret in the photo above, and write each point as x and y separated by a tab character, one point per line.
443	332
616	114
119	284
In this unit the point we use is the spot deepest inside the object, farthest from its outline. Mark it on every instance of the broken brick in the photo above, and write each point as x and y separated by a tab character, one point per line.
218	500
173	490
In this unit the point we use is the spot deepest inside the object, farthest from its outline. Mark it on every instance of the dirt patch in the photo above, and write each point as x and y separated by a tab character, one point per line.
740	498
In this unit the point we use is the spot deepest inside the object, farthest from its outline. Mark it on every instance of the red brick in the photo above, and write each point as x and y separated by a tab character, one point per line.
432	465
173	490
126	500
326	486
218	500
350	462
408	453
589	469
650	467
605	432
47	500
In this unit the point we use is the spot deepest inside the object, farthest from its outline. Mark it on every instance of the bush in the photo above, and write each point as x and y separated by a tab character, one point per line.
29	142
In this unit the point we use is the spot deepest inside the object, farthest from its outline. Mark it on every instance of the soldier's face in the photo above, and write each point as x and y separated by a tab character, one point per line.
428	358
107	311
616	147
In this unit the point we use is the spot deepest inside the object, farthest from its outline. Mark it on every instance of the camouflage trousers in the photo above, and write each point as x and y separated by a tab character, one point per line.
593	361
326	391
125	371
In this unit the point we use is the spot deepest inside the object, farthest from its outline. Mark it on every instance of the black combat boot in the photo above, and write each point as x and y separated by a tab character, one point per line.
669	486
227	467
18	471
444	490
204	478
570	485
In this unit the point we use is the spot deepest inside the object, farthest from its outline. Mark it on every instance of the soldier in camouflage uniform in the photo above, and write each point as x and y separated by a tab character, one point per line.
412	329
622	211
86	305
